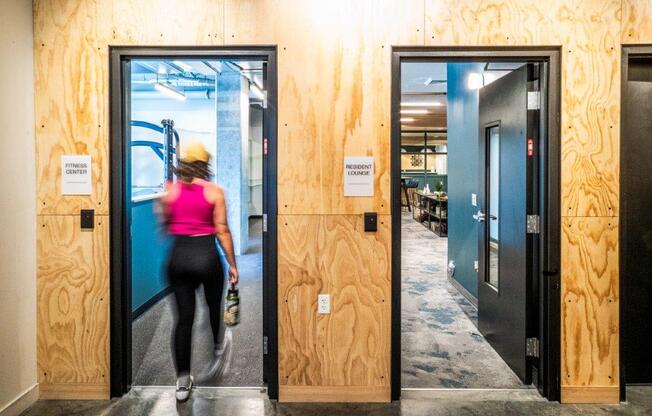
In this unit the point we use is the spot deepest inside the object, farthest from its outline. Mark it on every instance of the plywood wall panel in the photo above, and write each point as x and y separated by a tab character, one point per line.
70	103
636	21
333	254
171	22
73	301
590	297
330	90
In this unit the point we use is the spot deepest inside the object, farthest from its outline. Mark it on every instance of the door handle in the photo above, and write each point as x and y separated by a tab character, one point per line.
479	216
492	217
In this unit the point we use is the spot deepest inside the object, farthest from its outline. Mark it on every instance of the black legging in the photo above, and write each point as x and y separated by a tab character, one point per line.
194	261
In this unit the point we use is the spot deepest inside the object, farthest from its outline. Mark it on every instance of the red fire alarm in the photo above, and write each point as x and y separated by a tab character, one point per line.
530	147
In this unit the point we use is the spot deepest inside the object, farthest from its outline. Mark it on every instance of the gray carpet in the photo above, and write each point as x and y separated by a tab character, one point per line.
441	345
152	363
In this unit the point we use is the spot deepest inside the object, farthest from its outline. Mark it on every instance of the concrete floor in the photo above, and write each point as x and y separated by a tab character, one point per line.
161	402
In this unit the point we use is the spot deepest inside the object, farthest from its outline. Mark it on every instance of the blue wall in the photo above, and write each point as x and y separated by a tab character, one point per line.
149	250
462	119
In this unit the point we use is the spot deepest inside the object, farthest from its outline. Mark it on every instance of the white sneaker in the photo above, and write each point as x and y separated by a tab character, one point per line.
184	386
221	361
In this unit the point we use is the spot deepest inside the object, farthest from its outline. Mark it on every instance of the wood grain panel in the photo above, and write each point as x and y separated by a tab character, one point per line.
73	304
636	21
337	103
74	391
170	22
590	321
332	254
335	394
592	394
71	114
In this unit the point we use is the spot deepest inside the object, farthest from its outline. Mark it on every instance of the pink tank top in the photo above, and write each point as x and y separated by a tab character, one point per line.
190	213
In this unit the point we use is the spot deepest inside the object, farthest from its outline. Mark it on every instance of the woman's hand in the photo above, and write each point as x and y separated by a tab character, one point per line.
234	277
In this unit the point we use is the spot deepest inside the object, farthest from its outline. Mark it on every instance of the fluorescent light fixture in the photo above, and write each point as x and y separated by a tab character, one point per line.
183	65
422	104
257	91
407	119
414	111
475	81
170	91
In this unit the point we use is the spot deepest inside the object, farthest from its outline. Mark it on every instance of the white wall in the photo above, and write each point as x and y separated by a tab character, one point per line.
18	209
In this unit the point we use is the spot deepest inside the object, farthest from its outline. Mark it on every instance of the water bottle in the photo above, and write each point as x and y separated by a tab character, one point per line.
232	307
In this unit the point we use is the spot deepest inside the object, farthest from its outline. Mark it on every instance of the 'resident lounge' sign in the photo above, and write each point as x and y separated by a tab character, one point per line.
358	176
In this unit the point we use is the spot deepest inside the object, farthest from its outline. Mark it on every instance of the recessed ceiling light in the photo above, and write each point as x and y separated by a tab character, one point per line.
414	111
407	119
422	104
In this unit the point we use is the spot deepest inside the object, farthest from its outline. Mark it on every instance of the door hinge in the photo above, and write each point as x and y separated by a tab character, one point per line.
533	224
265	99
265	345
533	100
532	347
264	223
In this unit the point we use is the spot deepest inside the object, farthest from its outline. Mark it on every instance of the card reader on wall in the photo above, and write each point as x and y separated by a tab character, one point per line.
87	219
370	221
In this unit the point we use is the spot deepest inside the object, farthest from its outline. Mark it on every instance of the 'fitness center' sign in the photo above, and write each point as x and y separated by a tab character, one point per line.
76	175
358	176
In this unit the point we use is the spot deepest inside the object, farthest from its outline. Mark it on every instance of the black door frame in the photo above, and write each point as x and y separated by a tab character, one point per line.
628	51
120	276
550	255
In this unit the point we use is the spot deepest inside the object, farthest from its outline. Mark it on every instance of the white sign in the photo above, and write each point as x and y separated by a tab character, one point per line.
358	176
76	175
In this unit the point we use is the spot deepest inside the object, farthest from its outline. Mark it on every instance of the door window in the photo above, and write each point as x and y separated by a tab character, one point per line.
493	191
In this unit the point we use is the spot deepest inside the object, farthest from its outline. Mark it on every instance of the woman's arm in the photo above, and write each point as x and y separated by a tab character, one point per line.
224	234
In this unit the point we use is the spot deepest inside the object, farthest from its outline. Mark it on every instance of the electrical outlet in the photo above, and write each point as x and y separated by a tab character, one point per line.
475	265
474	200
324	303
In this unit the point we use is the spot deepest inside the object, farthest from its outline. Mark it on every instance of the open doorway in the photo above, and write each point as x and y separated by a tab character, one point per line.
635	221
474	170
163	101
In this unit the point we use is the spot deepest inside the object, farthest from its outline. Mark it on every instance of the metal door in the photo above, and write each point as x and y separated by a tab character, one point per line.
505	199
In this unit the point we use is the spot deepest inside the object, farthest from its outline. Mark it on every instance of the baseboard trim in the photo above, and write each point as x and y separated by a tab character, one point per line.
334	394
74	391
151	302
463	291
590	394
22	402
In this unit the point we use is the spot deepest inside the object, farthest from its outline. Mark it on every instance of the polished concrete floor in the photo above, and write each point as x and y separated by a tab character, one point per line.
441	344
152	363
161	402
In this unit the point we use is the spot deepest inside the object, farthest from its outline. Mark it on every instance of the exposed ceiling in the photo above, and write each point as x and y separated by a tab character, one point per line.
189	76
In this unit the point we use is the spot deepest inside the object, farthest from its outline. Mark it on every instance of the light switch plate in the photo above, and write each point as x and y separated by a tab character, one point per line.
323	303
474	200
476	266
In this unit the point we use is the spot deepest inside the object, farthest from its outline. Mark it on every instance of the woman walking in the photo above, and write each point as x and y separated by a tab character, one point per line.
194	210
